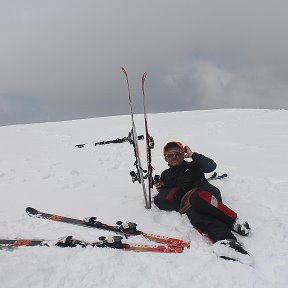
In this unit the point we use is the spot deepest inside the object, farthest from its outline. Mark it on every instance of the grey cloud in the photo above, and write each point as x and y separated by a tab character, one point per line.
198	55
16	108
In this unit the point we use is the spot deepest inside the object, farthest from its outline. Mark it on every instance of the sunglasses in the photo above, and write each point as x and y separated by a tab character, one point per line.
171	155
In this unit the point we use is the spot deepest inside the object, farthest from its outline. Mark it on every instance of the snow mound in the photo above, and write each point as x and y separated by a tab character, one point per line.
41	167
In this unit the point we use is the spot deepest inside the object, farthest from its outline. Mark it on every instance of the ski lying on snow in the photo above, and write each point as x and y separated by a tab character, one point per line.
215	176
117	140
68	241
126	229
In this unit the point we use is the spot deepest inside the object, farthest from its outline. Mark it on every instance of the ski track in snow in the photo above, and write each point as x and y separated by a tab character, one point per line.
40	167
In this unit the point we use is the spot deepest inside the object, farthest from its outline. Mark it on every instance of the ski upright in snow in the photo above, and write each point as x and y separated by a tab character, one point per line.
149	143
139	174
68	241
125	229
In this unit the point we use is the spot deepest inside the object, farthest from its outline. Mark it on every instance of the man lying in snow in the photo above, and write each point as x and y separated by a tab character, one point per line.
184	188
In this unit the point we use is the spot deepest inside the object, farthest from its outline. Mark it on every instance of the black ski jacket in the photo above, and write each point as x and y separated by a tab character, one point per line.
189	174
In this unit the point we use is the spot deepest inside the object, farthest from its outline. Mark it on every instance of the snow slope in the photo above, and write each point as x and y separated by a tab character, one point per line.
40	167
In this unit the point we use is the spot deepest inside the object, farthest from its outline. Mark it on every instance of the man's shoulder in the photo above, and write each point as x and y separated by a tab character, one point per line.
188	164
166	171
184	165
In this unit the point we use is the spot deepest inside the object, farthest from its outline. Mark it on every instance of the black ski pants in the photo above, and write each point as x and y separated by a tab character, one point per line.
210	216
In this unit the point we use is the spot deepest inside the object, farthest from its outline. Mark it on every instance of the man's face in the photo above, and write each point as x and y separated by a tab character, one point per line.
174	156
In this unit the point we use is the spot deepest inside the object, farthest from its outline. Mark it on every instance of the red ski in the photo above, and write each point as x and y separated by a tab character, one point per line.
68	241
126	229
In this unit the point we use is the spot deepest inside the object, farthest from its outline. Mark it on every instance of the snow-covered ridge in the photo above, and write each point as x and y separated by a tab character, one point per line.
40	167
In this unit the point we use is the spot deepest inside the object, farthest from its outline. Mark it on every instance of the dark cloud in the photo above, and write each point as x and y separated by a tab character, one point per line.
19	108
198	55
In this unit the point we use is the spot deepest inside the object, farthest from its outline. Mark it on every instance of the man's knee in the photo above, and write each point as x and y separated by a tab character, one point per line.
219	231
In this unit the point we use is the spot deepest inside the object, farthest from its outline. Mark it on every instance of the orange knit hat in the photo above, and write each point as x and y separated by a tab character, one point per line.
173	144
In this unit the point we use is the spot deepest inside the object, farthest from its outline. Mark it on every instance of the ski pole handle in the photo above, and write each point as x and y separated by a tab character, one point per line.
156	179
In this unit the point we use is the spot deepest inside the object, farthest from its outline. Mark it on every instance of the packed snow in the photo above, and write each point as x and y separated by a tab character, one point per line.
40	167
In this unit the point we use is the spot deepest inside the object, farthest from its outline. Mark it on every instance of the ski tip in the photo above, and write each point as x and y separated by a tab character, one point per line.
31	211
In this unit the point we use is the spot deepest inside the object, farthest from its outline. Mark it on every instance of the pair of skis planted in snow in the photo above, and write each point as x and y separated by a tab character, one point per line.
168	244
139	174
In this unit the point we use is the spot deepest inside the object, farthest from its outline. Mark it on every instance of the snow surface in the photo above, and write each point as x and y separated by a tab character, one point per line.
40	167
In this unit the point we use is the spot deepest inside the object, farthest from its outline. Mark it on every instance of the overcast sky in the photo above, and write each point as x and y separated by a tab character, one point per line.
61	59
